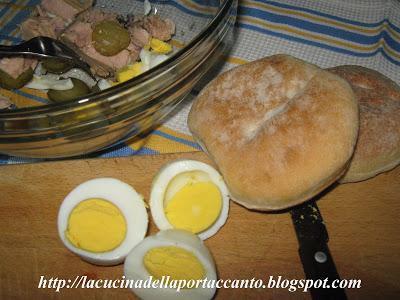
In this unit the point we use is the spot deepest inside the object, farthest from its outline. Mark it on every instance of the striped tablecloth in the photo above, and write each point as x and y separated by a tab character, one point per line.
326	33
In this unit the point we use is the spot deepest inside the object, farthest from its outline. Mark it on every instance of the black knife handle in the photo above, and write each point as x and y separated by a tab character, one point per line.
314	253
319	265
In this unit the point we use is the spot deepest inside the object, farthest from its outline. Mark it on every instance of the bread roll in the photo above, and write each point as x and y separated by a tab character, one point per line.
378	145
279	129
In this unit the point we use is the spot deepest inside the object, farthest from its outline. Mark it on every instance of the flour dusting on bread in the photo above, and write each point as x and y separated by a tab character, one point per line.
279	129
378	146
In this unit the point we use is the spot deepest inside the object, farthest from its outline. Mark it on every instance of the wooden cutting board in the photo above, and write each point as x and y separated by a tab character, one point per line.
362	220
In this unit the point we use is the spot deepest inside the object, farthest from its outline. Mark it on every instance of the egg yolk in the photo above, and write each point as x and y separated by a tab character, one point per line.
195	207
176	262
96	225
159	46
129	72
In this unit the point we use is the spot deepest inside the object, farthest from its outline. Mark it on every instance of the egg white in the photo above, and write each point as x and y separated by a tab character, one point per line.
49	81
150	59
146	7
121	195
135	270
164	177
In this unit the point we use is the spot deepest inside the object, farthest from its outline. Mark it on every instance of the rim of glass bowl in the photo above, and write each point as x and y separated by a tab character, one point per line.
117	90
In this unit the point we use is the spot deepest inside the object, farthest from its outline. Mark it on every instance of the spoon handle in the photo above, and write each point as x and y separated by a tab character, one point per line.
20	49
8	50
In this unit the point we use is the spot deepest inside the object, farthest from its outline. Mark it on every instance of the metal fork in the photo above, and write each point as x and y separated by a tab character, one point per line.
42	46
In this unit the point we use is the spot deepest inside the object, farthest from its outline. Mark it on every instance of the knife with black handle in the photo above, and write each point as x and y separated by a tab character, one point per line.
314	252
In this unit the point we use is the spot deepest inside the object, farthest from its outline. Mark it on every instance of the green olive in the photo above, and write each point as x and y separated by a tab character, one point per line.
57	66
109	38
9	83
80	89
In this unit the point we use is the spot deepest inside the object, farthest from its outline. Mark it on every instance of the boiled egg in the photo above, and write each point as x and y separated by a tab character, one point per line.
103	84
176	262
151	59
189	195
101	220
42	80
129	72
148	60
159	46
146	7
50	81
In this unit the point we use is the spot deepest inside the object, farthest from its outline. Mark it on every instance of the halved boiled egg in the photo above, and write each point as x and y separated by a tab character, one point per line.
189	195
101	220
177	264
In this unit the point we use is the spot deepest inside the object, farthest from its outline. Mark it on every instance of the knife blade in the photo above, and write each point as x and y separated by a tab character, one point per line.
315	256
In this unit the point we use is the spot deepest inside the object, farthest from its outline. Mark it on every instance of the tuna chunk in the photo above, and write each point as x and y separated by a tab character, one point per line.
5	103
67	10
158	28
42	26
114	62
95	15
79	33
79	37
52	17
59	8
134	51
139	36
15	66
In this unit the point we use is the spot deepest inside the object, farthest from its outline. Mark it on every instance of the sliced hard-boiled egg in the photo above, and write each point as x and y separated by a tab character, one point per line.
189	195
103	84
47	82
148	60
151	59
101	220
146	7
130	72
159	46
176	262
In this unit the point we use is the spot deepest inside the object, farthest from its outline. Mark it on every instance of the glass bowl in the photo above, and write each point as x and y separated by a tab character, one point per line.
84	125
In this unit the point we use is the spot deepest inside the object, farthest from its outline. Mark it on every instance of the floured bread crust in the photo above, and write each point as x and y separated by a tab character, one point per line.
378	145
279	129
